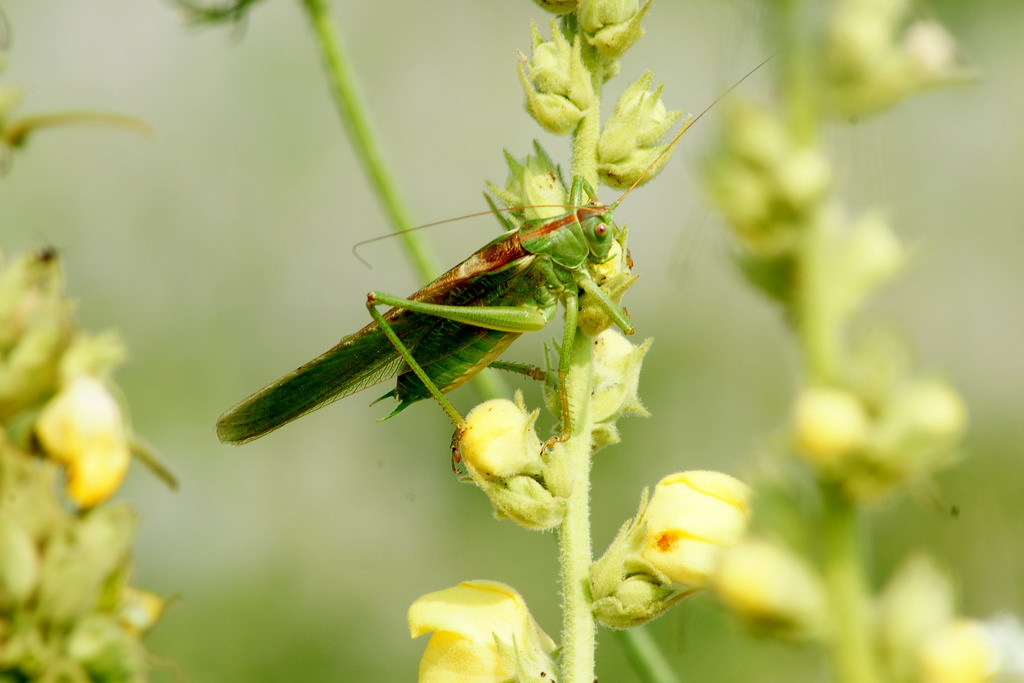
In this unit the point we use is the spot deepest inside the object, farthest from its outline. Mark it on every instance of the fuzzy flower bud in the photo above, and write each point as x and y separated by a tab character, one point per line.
918	425
875	57
765	181
616	376
671	548
691	518
82	428
556	82
19	563
503	456
772	589
80	563
481	631
106	650
611	26
35	329
829	425
535	182
629	142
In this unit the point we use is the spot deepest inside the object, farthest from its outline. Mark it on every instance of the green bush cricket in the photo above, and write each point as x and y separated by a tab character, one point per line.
440	336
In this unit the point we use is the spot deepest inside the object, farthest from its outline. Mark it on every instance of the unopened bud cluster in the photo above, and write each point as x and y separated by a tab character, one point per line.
873	439
876	55
560	78
66	610
672	547
923	639
767	184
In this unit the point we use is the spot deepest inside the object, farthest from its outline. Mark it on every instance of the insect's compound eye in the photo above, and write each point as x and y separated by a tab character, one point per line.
601	229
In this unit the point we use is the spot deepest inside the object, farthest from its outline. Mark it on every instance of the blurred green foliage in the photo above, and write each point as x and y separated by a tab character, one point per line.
221	250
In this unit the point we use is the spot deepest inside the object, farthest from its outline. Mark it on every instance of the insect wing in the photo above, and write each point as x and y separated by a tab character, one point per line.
362	360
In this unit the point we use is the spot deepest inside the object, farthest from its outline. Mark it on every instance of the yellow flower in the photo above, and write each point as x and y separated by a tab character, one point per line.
772	588
829	424
960	652
692	516
482	631
82	428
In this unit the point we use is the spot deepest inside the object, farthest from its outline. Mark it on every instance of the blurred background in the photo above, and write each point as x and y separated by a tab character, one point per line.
221	250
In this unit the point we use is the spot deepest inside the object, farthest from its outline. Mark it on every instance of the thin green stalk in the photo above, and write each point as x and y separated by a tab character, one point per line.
646	657
578	626
355	118
852	652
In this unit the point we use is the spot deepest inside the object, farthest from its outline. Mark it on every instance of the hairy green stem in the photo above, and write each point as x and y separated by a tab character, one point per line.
851	643
355	118
646	657
356	121
578	626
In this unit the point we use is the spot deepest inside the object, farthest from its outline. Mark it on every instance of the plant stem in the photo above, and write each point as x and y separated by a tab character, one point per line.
820	332
355	118
578	627
356	121
646	657
851	646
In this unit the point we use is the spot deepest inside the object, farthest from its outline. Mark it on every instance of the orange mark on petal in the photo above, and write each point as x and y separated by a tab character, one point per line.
667	540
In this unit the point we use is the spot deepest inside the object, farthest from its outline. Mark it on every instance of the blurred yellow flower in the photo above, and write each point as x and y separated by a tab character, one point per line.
959	652
82	428
482	631
772	588
829	424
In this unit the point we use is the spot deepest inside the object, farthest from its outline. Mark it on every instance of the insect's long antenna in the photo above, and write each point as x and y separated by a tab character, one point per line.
489	212
679	135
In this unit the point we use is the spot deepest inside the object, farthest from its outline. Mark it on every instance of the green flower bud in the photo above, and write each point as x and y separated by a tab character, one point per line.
556	82
106	650
35	328
767	183
503	456
19	563
635	601
536	182
611	26
480	631
772	589
81	561
917	427
558	6
628	145
876	58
